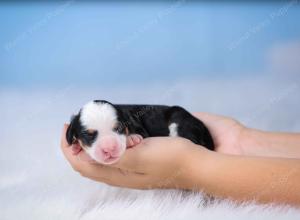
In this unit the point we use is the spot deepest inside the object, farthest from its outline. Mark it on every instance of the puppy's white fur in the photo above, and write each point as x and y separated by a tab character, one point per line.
103	122
101	117
173	128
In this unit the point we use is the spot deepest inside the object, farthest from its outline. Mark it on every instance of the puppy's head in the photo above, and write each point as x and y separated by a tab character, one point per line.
97	128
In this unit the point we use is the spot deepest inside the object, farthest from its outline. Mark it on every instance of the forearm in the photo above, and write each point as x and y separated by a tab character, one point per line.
271	144
245	178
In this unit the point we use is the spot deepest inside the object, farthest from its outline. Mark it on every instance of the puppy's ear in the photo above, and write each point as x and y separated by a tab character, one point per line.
71	131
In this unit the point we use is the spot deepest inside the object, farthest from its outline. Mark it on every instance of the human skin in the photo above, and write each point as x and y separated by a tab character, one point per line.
231	137
247	165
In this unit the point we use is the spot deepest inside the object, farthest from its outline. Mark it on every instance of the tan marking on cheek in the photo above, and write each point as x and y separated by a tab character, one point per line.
91	131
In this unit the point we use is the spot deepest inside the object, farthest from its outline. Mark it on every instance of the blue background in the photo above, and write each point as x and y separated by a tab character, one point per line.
52	44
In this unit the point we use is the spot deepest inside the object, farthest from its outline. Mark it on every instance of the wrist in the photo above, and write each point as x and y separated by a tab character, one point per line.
271	144
257	143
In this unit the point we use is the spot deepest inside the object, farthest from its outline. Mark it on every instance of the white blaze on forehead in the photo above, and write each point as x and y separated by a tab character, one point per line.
98	116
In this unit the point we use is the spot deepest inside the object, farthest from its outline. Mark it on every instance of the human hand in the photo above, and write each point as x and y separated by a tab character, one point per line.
159	162
228	134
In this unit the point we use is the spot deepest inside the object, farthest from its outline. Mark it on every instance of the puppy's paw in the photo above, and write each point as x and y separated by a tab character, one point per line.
133	139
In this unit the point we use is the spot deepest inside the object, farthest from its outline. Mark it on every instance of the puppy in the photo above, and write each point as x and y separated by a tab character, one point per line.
102	128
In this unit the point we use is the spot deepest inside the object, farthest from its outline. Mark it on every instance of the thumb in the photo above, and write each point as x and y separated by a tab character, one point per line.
133	159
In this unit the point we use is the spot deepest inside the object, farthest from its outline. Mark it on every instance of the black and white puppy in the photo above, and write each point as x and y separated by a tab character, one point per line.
101	128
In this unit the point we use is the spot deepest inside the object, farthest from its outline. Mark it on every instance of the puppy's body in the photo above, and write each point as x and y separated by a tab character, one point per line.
160	120
101	127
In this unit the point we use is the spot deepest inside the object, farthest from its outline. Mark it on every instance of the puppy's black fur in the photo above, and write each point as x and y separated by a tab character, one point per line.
153	120
148	121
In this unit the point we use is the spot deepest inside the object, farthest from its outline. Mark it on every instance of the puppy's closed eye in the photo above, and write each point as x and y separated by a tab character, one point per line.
88	136
89	133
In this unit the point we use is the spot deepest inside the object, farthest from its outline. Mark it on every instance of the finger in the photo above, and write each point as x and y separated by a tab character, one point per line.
83	156
133	159
129	141
64	142
133	140
76	149
67	150
111	175
137	138
211	121
207	117
128	182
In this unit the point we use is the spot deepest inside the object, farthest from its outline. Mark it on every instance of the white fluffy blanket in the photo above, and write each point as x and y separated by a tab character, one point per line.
37	183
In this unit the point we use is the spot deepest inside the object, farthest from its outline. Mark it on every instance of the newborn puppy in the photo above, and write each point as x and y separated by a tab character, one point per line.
102	128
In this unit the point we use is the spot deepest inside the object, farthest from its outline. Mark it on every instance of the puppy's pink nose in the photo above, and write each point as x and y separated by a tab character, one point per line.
107	148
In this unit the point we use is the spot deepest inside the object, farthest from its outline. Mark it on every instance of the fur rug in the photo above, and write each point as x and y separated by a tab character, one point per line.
65	195
37	183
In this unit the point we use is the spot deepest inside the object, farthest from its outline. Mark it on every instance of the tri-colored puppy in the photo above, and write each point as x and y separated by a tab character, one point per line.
102	128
